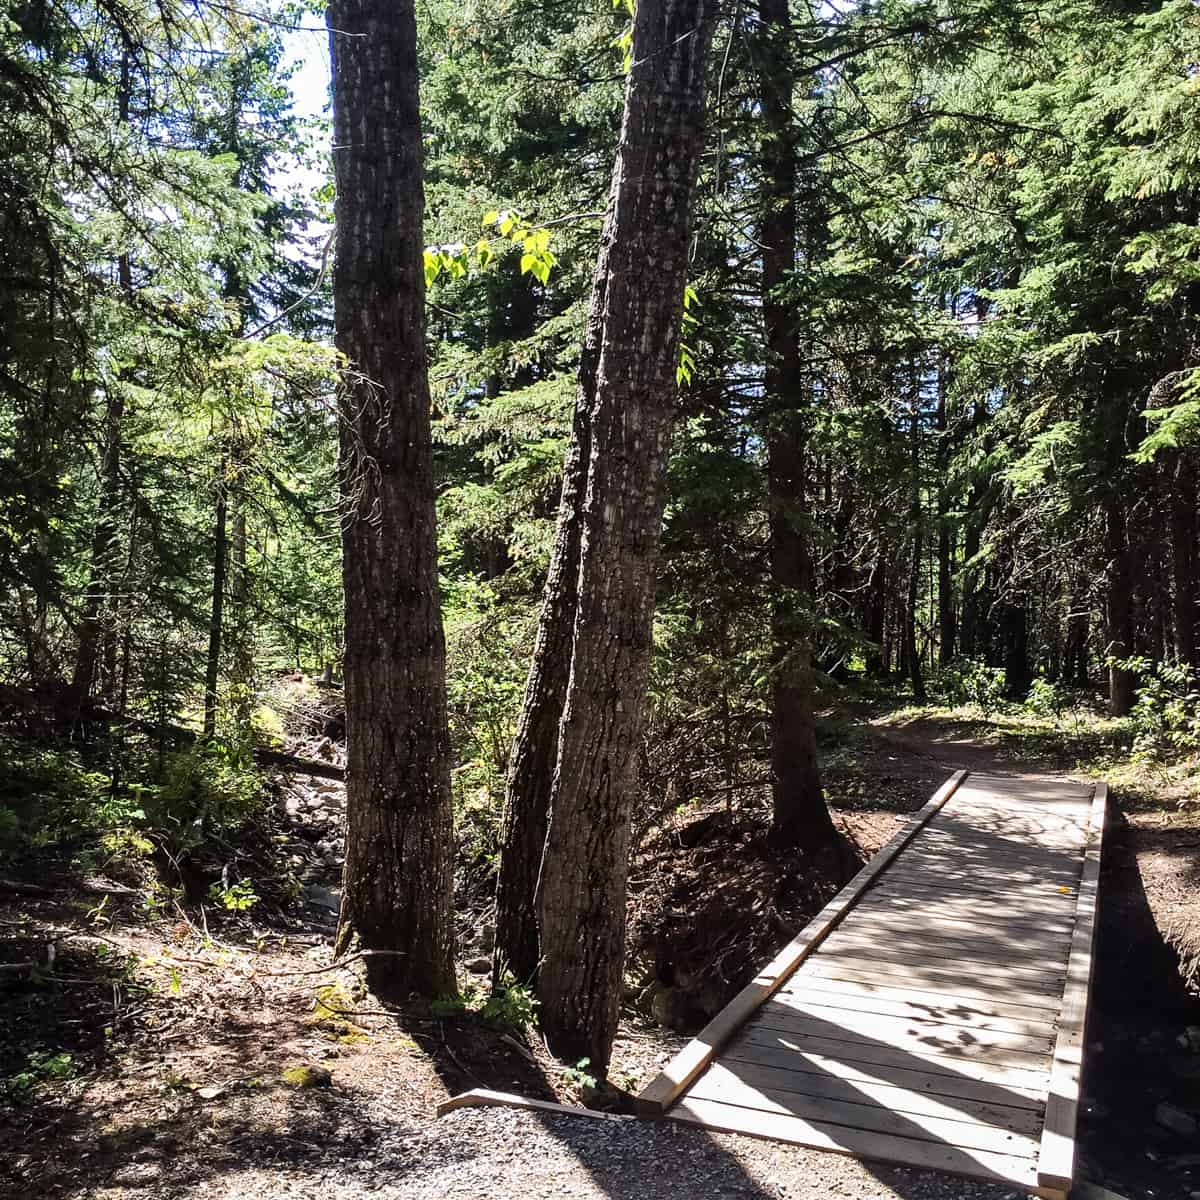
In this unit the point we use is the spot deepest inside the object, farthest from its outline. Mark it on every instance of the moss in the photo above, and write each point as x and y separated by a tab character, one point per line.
306	1075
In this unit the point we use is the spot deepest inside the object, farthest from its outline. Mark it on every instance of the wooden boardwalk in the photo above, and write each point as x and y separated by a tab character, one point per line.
933	1013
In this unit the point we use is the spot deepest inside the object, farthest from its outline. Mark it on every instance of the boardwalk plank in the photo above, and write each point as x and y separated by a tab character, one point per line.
861	1143
953	984
1056	1160
806	998
866	1114
1012	1089
925	1037
993	1063
922	1019
700	1051
1023	1117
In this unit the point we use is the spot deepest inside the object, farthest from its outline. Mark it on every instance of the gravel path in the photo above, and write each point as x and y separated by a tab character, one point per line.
473	1154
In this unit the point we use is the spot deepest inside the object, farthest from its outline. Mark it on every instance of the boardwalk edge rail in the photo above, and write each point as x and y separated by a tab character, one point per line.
1056	1156
658	1096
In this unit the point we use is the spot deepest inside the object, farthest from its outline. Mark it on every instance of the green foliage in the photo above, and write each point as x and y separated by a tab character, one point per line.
513	1005
1047	698
205	791
970	681
578	1076
1166	715
235	897
41	1066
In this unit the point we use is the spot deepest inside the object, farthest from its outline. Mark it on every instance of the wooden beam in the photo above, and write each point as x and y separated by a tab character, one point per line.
663	1091
1056	1156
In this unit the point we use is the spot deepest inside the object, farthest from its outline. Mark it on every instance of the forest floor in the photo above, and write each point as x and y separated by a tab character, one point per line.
159	1058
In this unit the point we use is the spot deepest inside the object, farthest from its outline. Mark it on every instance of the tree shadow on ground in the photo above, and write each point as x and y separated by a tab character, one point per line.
1140	1007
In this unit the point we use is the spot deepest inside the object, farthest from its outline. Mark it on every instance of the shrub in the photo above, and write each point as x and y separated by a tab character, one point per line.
972	681
1046	698
1166	714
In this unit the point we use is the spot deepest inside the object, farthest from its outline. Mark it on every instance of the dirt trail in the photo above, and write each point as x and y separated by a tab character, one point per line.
188	1101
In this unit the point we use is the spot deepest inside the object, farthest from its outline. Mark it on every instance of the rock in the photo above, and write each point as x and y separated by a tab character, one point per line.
292	806
1190	1039
479	966
314	800
307	1076
136	1175
1176	1120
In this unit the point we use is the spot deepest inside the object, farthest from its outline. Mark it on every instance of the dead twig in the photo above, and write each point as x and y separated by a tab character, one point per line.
336	966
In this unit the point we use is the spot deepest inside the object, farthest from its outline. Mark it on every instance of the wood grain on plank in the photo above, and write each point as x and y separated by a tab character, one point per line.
882	991
864	1113
951	984
1056	1158
861	1143
1024	1117
978	883
1042	976
658	1096
926	1036
805	999
988	1062
1010	1089
886	916
914	898
954	941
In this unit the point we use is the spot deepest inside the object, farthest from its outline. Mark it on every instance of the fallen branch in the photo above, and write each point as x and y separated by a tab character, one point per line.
335	966
24	889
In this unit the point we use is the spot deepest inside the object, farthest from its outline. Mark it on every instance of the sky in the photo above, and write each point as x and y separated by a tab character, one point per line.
308	50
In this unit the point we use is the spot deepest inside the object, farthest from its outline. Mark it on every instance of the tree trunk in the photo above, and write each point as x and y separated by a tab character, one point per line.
917	517
212	670
535	749
1014	627
1120	608
1075	666
947	624
1183	559
799	816
878	660
398	875
581	890
104	544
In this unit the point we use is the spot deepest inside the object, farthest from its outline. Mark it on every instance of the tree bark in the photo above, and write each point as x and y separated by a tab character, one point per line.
104	545
1120	607
878	661
535	749
398	874
947	621
581	891
799	816
917	517
212	668
1183	559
